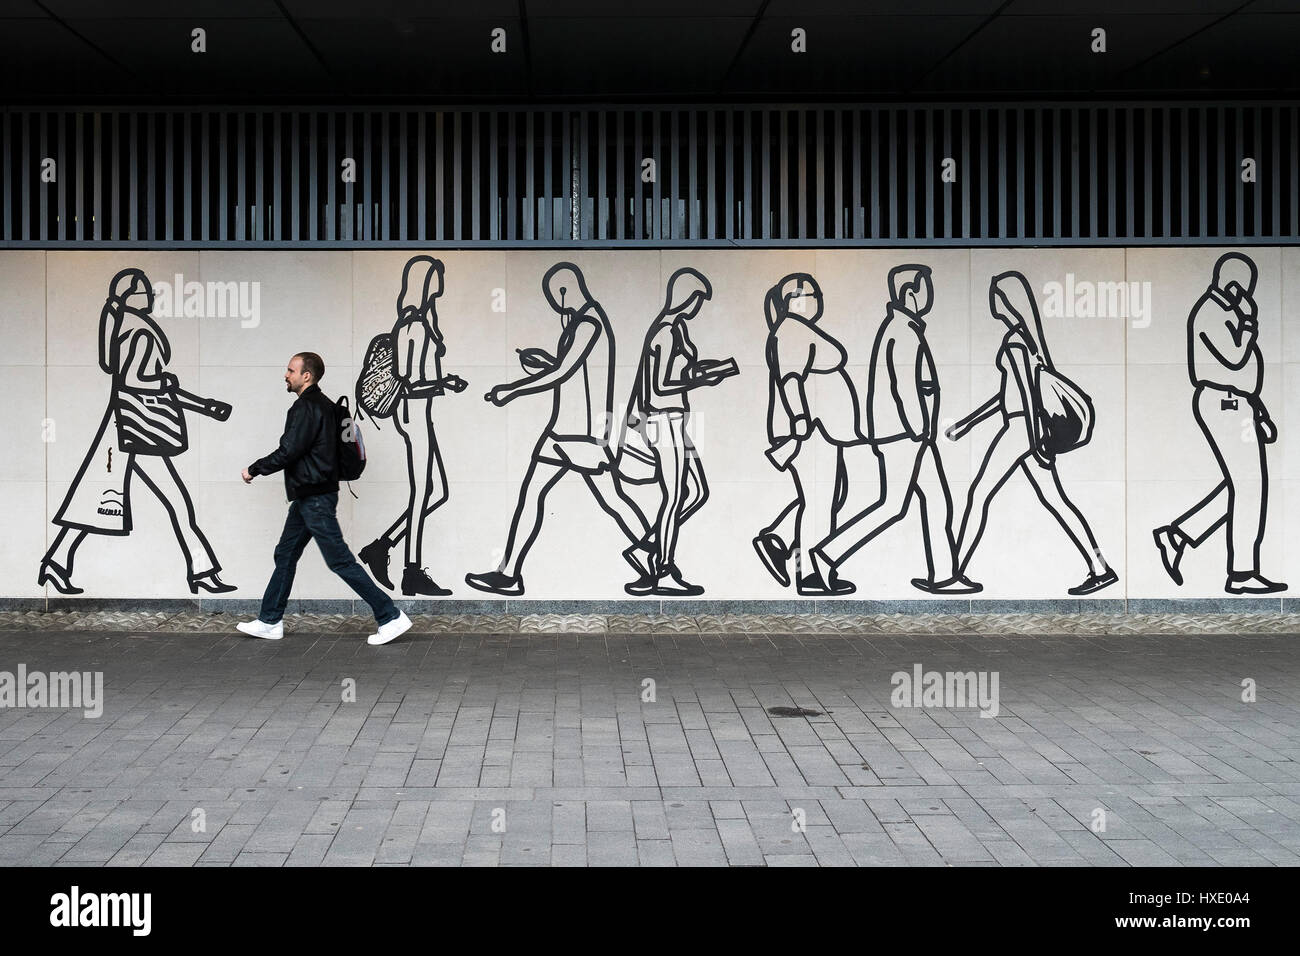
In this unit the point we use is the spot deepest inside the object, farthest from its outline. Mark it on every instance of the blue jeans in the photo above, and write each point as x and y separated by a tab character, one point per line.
314	517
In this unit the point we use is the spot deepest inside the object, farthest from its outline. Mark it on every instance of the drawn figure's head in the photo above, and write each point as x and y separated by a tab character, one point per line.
911	289
687	292
565	289
1234	276
131	289
798	294
421	284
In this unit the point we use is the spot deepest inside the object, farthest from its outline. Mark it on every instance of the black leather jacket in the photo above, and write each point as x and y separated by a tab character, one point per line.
308	450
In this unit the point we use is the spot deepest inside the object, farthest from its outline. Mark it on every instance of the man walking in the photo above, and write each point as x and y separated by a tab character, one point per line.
903	414
1227	370
308	455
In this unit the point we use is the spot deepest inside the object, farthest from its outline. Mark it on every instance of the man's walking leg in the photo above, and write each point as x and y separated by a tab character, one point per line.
293	540
318	513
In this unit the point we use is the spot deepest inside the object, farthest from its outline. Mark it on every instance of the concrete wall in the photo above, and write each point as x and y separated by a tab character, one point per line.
1146	463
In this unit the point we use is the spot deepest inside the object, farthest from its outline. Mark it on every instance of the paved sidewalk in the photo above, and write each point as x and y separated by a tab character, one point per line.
542	749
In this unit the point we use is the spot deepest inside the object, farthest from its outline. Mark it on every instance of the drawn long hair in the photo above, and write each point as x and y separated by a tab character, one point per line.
1010	297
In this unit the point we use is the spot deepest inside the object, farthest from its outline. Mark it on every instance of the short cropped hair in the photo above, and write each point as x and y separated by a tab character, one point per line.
313	363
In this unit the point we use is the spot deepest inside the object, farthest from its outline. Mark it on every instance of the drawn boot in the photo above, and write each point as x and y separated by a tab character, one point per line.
375	557
671	584
774	554
957	584
1095	582
1252	582
52	573
496	582
1171	544
415	580
210	583
641	556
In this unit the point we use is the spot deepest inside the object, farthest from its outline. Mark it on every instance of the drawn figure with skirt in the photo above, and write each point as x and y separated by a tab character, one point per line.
1043	415
145	424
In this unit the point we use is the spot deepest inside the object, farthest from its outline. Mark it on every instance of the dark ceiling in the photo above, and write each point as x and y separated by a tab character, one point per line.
438	51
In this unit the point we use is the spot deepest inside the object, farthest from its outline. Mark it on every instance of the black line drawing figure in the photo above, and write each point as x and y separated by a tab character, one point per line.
146	410
577	436
656	444
400	379
1226	367
1043	415
902	424
807	437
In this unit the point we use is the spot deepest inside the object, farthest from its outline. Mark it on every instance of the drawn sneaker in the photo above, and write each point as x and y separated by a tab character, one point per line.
1171	551
812	585
375	557
642	585
671	584
392	630
415	580
1252	583
496	582
259	628
774	554
1094	582
957	584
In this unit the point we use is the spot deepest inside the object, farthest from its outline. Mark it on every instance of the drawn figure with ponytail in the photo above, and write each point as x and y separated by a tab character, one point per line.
400	379
656	445
1043	415
145	426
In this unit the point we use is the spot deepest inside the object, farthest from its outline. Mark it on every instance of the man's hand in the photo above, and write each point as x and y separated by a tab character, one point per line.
499	395
248	479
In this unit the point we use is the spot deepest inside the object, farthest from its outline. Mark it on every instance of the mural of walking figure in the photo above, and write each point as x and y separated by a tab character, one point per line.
402	377
656	444
1043	415
146	412
807	437
1227	371
902	422
576	438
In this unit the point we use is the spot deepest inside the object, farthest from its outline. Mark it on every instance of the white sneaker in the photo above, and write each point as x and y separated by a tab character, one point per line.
392	630
259	628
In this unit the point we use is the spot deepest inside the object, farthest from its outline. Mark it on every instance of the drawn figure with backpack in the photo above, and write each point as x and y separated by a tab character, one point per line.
656	445
1227	372
1043	414
400	378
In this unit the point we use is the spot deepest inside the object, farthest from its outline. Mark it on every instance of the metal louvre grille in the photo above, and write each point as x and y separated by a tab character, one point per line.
1028	174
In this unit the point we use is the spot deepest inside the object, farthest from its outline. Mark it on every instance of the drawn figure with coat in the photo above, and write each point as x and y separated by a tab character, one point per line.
1043	415
145	424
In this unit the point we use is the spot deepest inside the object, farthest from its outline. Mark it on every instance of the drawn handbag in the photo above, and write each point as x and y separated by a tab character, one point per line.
149	423
1063	417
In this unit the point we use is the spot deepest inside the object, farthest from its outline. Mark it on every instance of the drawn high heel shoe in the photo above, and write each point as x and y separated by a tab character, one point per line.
51	573
210	583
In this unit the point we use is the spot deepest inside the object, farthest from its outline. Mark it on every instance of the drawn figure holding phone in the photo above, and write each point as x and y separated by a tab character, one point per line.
656	445
406	369
576	438
1227	372
146	412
